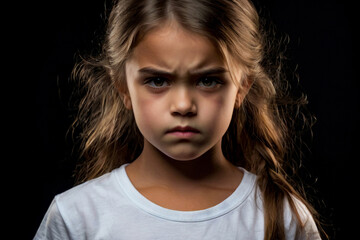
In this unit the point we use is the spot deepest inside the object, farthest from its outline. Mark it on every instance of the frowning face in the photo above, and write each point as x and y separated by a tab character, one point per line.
181	92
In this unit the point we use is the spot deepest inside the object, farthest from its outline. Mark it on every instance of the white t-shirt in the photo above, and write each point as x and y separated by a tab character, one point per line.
110	207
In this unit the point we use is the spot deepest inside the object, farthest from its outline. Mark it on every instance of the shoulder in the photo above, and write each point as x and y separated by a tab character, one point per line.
91	187
306	229
52	225
91	199
83	210
95	192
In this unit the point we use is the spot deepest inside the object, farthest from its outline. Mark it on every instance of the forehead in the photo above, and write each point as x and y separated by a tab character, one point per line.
174	48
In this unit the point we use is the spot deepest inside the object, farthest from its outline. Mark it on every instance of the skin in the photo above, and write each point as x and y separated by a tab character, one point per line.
168	87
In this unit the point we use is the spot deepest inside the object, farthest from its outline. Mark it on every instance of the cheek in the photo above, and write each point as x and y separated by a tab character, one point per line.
218	110
147	112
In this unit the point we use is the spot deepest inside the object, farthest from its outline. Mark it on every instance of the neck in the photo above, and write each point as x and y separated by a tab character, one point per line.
155	168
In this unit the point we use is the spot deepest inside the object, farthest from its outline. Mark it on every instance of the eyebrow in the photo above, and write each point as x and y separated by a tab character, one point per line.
211	71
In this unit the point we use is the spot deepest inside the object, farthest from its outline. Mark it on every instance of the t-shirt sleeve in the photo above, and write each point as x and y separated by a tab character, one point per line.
53	225
309	231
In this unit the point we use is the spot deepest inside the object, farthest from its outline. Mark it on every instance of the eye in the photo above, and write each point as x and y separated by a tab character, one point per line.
157	82
209	82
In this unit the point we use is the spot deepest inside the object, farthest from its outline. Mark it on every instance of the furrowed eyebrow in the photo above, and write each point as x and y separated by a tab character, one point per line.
211	71
152	71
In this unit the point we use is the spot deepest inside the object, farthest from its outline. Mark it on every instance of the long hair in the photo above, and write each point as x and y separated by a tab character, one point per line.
259	137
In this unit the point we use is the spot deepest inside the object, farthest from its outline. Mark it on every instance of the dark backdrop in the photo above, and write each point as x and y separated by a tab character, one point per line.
52	33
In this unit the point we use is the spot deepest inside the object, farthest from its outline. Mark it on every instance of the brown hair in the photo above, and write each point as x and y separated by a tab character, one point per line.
259	136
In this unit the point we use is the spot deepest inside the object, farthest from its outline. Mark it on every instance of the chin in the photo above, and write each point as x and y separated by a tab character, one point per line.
185	156
183	151
184	159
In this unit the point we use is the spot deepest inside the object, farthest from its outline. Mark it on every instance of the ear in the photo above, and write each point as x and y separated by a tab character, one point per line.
125	95
127	100
242	92
238	100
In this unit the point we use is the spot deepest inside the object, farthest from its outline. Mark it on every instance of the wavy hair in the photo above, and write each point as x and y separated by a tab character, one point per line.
260	135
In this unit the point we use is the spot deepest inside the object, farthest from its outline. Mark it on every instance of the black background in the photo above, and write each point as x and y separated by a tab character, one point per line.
45	38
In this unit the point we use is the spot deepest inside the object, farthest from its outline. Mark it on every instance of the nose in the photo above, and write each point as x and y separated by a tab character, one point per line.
183	102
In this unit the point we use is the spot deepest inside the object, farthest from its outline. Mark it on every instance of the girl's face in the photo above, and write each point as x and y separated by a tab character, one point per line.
180	91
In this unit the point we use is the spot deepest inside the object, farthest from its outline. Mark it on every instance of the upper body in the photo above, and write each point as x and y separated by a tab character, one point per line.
110	207
185	97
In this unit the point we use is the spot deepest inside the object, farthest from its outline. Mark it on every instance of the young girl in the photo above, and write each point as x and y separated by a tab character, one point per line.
183	133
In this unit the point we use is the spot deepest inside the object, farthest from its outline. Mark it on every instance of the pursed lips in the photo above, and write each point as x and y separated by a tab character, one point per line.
185	131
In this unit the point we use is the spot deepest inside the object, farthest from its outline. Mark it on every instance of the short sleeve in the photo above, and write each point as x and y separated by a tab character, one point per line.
309	230
52	226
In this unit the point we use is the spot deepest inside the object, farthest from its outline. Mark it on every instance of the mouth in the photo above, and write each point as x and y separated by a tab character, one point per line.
183	132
